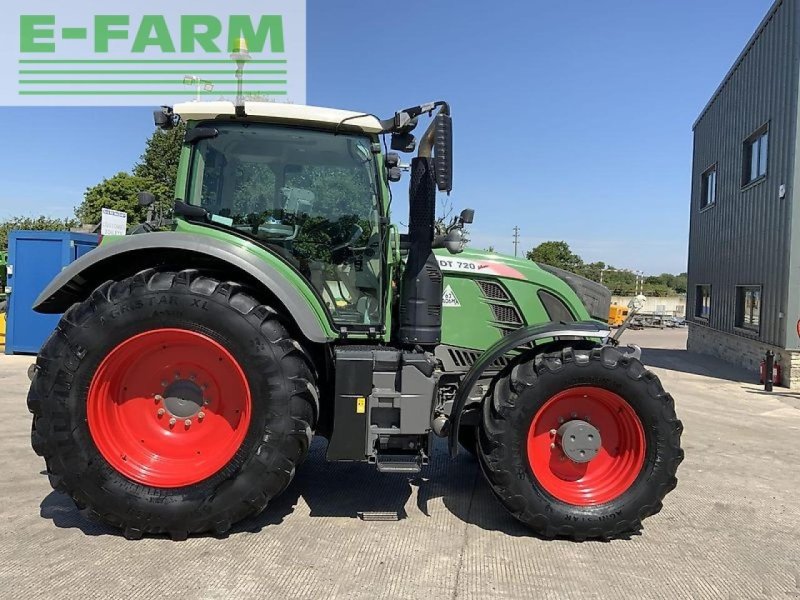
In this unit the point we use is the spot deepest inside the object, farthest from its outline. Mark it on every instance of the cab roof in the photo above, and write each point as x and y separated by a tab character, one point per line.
275	111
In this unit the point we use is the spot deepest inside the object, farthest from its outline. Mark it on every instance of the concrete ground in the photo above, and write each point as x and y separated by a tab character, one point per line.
731	529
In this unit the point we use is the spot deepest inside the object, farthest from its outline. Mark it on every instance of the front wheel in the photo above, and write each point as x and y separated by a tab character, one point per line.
580	443
171	402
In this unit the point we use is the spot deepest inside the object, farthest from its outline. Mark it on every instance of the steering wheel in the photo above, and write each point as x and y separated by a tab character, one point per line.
356	233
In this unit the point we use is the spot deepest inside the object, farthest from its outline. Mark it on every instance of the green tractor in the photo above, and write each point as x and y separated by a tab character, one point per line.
192	367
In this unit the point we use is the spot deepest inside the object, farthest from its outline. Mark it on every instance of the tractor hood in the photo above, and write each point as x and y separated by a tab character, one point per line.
491	263
595	297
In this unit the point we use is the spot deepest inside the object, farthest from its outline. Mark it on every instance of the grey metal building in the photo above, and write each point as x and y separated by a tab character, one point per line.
744	237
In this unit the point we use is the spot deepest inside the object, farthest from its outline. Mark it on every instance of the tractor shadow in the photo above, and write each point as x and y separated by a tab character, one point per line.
60	509
348	490
695	364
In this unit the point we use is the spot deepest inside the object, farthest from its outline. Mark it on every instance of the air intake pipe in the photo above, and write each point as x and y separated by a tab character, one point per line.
421	286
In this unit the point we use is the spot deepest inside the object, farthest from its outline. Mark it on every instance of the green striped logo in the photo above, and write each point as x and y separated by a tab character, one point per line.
91	57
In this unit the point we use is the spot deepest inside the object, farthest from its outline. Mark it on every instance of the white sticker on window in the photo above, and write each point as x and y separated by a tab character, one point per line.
449	298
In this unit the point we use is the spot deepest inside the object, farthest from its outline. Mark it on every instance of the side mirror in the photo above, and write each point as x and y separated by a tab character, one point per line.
403	142
467	215
453	240
443	152
164	118
146	198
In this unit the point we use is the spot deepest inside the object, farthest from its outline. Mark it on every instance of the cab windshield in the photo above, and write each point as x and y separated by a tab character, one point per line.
310	196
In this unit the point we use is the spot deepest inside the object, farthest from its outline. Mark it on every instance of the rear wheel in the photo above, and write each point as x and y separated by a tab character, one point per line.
172	403
580	443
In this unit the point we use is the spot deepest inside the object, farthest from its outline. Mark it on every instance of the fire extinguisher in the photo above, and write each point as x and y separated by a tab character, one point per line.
767	365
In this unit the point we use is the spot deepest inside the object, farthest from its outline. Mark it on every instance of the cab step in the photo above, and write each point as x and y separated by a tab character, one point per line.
408	464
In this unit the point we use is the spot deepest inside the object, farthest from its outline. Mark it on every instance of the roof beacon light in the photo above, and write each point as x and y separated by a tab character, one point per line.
240	55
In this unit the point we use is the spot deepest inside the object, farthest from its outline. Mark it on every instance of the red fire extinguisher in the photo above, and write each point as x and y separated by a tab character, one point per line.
776	372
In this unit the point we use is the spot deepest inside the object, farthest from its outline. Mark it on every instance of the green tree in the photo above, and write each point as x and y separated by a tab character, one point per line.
40	223
119	193
556	254
593	270
620	282
158	164
681	283
156	172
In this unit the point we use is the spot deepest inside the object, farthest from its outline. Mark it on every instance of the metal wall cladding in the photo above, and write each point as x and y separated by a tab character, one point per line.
744	238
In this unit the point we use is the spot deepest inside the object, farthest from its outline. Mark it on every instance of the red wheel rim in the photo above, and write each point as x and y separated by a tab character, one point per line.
168	408
618	461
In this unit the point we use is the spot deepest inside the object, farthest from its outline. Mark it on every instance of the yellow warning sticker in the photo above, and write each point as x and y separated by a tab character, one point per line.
361	405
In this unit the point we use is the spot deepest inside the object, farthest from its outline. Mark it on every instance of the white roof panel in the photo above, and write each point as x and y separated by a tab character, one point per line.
195	111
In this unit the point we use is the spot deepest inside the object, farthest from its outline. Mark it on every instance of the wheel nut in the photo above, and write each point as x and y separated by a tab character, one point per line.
188	422
158	398
560	419
552	446
553	432
201	415
172	421
574	415
161	412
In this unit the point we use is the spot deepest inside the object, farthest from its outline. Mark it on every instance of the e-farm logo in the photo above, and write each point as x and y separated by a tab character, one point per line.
98	56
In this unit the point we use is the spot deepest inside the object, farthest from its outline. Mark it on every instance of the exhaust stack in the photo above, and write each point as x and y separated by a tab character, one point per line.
421	289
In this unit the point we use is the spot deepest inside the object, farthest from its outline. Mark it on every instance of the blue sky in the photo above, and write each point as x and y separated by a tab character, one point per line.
572	119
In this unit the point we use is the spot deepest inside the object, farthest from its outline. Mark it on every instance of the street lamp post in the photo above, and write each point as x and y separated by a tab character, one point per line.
200	83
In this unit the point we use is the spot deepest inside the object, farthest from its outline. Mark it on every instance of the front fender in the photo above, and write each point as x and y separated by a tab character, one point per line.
577	330
131	254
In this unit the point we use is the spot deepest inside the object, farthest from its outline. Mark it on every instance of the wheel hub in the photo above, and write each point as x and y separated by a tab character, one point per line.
579	440
168	407
183	398
590	469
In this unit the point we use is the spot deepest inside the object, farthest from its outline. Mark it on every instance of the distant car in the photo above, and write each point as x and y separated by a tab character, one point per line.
676	322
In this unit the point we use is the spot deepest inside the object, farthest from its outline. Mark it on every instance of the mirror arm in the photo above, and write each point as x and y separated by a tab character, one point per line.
403	117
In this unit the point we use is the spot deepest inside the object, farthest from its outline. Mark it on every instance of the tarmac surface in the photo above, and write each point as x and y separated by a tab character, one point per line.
731	529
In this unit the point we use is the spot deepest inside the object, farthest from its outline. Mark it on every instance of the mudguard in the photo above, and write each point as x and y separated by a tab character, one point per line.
133	253
575	330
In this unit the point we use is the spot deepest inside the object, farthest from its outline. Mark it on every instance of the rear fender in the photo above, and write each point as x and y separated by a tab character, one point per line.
579	330
256	267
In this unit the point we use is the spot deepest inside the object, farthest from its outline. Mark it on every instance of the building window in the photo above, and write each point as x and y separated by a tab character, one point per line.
748	306
708	192
702	300
755	156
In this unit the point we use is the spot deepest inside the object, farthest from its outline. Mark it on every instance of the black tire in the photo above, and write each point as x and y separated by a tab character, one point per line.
522	389
468	438
278	371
